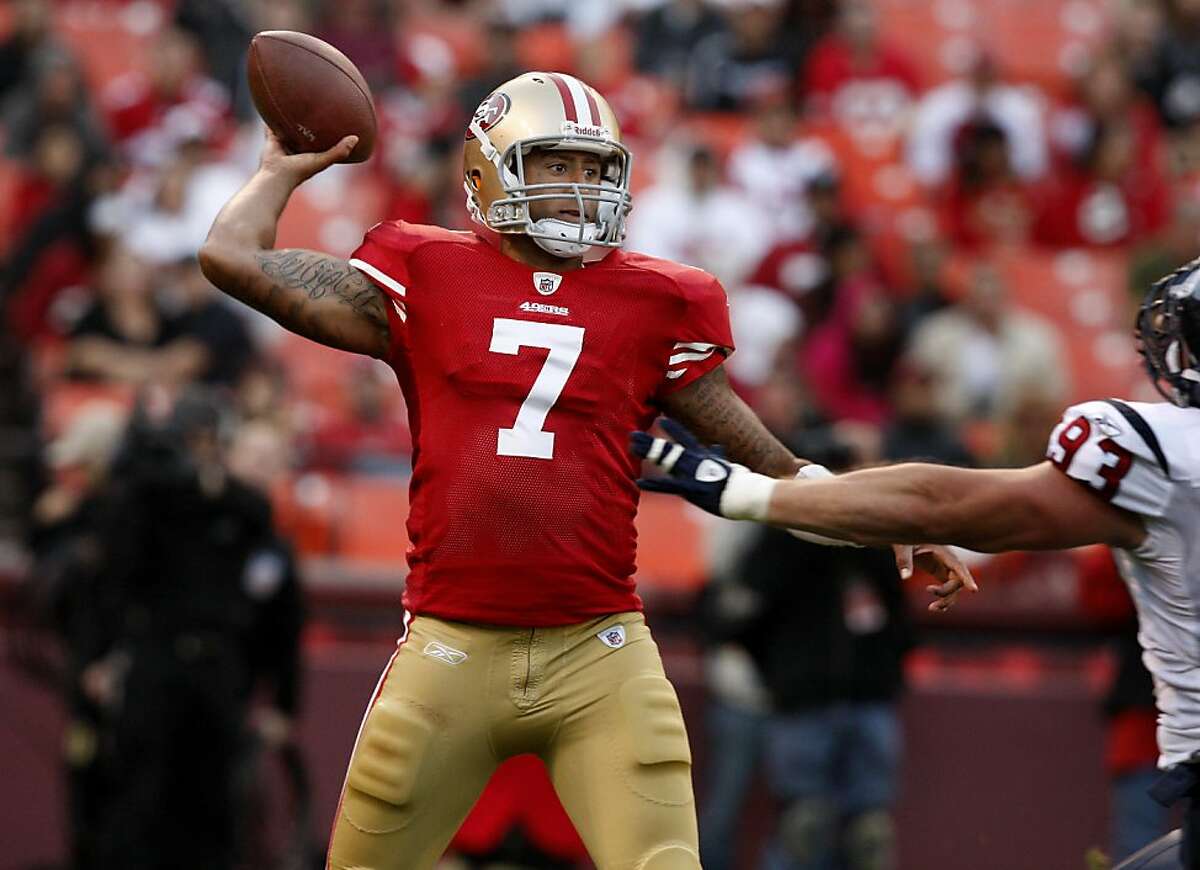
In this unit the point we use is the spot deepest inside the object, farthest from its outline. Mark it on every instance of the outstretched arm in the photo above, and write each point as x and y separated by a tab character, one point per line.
315	295
1035	508
717	415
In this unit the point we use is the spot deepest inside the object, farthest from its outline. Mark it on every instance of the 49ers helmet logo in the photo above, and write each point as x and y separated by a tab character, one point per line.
490	112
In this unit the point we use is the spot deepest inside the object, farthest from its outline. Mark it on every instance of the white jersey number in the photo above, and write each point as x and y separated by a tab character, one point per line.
565	343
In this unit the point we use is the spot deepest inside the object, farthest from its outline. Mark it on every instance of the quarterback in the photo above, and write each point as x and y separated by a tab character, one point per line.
526	349
1117	473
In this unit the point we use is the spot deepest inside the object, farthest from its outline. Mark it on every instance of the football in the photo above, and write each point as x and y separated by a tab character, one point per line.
309	93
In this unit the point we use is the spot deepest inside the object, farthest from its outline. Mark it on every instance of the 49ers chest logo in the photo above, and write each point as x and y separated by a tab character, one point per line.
489	113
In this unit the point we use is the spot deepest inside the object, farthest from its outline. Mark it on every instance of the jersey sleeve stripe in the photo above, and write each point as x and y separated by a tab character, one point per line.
689	357
1143	429
694	345
677	373
372	272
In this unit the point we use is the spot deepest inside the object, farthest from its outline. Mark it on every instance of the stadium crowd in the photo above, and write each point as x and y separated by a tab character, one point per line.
931	240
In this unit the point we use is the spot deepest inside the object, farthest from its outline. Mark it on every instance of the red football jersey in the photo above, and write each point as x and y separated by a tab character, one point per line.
522	388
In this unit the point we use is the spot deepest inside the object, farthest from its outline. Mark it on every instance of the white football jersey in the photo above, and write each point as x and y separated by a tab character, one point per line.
1145	458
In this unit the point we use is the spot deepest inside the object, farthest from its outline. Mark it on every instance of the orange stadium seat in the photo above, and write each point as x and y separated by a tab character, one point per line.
1039	41
547	47
324	217
671	537
1084	294
108	35
370	521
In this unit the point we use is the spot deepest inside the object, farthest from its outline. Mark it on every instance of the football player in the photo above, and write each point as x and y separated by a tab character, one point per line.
1119	473
527	349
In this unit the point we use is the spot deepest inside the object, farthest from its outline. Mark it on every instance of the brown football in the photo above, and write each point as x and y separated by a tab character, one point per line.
310	93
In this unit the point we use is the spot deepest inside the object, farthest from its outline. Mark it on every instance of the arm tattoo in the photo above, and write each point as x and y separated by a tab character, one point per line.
717	415
298	278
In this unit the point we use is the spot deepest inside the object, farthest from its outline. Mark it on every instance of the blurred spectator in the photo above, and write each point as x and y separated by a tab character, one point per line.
57	96
152	113
262	394
53	244
732	67
124	335
1021	427
372	436
65	522
829	635
1112	199
1167	251
206	320
667	35
1139	31
775	168
848	355
855	78
222	29
29	41
797	267
1106	97
917	430
979	98
361	30
985	203
500	64
1172	76
693	217
984	352
164	214
194	575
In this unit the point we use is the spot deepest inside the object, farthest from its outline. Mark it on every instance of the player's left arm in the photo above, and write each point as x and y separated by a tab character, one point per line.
710	408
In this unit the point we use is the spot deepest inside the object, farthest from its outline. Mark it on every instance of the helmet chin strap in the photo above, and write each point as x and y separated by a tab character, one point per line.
561	238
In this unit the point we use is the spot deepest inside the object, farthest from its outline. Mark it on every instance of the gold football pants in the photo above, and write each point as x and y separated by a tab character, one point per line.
458	699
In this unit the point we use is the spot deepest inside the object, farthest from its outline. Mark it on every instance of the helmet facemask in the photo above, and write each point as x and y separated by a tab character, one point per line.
559	237
1167	332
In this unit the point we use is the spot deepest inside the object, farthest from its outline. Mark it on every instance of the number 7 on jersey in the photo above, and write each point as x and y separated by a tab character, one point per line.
565	343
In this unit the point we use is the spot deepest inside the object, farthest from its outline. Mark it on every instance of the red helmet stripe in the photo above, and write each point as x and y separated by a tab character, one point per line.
564	91
592	107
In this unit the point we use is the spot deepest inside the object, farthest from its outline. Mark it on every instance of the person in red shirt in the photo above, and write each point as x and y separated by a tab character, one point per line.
855	78
150	114
1111	200
526	350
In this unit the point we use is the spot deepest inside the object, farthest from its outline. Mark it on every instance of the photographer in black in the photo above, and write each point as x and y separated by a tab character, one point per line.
194	578
825	632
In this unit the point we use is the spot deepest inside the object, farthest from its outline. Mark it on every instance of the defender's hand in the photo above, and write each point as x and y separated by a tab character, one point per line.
945	566
702	474
298	168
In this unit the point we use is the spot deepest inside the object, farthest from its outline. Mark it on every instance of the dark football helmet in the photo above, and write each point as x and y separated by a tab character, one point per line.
1168	331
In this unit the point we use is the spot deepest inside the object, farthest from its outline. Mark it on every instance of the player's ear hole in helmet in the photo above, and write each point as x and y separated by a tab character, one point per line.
536	112
1168	333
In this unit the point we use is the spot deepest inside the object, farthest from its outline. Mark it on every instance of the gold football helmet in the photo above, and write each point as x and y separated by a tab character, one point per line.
555	111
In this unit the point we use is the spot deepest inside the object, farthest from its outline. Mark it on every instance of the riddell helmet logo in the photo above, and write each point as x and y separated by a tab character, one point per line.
490	112
546	282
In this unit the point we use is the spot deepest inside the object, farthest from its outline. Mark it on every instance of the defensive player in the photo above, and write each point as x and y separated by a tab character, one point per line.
523	372
1122	474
